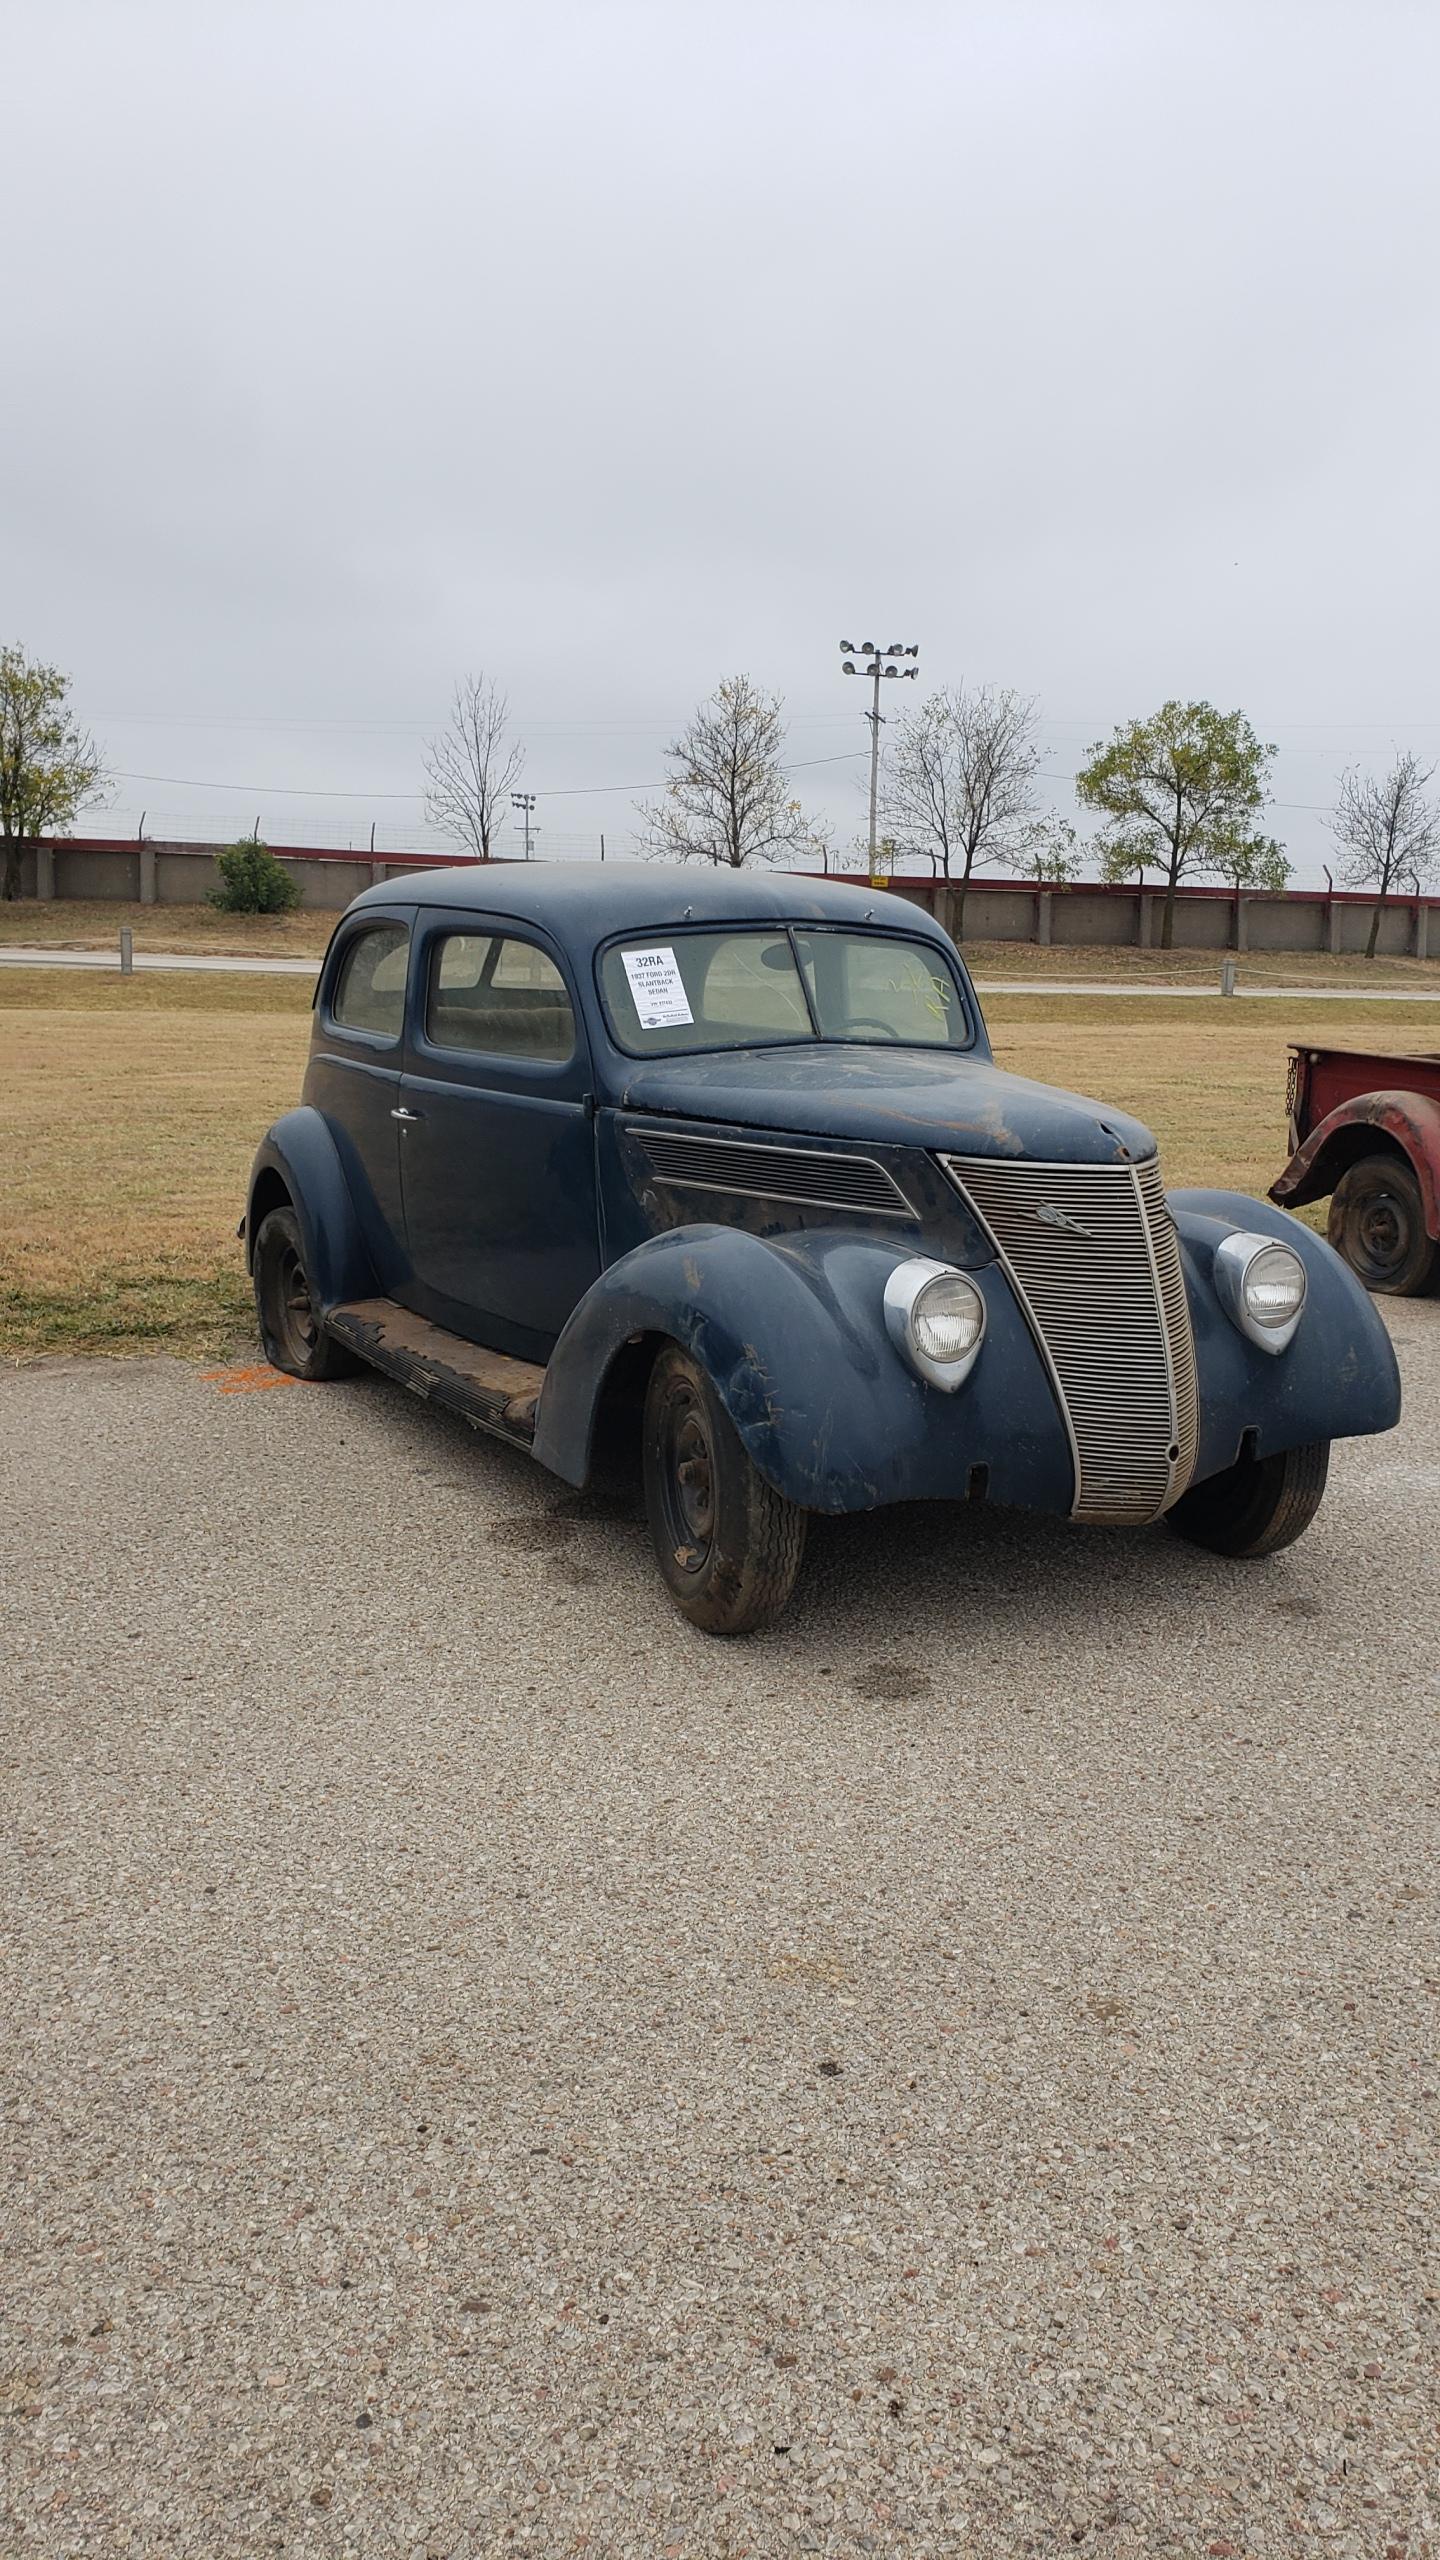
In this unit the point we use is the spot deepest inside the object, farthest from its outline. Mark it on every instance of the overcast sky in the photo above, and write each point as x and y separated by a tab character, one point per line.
615	348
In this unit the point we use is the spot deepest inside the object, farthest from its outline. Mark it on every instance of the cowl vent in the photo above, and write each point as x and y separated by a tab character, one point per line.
752	1170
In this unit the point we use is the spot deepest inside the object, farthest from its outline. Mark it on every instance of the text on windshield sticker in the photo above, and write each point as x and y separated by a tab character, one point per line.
658	989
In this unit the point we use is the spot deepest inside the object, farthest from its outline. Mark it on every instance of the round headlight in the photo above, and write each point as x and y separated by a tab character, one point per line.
947	1318
936	1319
1274	1286
1261	1286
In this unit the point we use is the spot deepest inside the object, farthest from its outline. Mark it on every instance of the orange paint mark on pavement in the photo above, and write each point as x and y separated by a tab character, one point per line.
246	1382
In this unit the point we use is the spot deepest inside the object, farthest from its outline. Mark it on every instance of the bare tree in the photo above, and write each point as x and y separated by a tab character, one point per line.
727	800
49	765
471	768
960	778
1388	833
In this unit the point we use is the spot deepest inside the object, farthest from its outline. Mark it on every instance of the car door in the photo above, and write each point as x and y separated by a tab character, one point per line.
497	1153
353	1077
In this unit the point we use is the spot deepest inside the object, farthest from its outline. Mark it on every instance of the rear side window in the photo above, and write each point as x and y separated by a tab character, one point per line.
370	990
494	993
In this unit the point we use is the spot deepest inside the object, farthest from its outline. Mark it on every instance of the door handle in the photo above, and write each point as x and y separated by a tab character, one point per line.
403	1114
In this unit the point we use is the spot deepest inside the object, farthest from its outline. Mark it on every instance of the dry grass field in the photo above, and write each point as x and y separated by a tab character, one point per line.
129	1109
1085	963
91	925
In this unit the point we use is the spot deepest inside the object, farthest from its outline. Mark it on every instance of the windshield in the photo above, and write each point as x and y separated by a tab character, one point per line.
747	989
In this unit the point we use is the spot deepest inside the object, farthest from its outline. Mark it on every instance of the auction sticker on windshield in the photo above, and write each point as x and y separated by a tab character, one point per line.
658	989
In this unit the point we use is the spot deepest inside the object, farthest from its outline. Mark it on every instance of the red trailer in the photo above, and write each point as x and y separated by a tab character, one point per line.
1365	1127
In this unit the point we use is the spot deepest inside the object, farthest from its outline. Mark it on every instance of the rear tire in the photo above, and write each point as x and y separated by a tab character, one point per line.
1257	1506
291	1330
1377	1221
727	1544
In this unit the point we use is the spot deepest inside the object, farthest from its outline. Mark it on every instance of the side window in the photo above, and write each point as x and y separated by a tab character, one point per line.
492	992
370	990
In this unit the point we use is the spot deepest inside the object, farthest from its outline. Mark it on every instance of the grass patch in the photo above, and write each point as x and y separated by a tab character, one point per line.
1208	1079
130	1110
1088	962
127	1130
93	924
82	991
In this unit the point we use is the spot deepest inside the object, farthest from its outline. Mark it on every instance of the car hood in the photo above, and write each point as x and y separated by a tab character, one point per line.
958	1103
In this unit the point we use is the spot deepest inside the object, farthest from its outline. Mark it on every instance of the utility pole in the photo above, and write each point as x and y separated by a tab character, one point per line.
524	801
880	662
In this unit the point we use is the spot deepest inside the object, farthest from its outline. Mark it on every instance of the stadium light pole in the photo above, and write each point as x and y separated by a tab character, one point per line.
880	663
524	801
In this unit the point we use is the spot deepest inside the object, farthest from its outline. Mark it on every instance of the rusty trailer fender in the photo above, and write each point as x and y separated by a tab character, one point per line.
1368	1124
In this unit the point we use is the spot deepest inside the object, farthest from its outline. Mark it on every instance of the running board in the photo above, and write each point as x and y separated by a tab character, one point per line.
491	1390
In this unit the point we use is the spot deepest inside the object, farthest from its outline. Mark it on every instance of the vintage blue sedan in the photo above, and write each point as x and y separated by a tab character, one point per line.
722	1164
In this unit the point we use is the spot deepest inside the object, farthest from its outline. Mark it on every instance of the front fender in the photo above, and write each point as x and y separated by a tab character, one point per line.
1410	1121
299	1155
791	1331
1338	1378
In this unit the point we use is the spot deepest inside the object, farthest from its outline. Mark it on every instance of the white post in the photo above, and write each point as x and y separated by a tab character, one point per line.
874	765
127	951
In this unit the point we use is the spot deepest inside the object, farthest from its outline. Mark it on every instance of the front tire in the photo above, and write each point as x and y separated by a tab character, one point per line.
1257	1506
291	1331
727	1544
1377	1221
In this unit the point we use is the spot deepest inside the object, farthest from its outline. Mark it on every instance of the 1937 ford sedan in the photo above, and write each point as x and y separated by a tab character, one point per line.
726	1160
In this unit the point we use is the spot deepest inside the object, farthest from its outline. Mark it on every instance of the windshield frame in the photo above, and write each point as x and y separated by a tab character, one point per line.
789	926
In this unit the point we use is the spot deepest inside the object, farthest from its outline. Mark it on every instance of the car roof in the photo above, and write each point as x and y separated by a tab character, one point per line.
586	901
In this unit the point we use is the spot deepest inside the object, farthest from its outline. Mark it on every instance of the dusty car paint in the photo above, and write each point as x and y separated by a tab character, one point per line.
572	1238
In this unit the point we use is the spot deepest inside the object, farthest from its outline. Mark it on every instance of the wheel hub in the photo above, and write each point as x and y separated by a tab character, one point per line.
295	1301
689	1482
1381	1230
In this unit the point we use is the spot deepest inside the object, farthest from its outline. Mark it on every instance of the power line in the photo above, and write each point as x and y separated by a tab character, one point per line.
342	791
273	790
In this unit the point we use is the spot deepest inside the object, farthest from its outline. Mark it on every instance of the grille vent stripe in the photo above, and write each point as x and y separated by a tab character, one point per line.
774	1173
1109	1311
1175	1315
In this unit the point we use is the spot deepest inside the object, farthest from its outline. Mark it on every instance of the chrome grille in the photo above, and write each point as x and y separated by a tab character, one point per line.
774	1173
1175	1315
1092	1255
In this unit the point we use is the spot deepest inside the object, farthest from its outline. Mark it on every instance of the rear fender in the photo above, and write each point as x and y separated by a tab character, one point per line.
1368	1124
1338	1378
298	1156
791	1332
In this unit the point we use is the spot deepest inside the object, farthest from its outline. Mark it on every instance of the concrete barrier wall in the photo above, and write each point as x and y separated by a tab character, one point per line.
170	875
80	873
1089	913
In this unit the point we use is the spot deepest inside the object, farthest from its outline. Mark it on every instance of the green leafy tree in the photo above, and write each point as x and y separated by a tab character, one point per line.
1178	792
1050	854
49	765
252	882
1253	862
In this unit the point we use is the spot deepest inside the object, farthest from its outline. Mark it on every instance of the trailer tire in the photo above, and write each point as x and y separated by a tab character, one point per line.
1377	1223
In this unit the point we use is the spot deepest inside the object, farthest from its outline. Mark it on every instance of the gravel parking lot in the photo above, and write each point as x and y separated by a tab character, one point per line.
490	2069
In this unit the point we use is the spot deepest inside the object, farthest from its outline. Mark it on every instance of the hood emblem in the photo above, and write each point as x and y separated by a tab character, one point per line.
1050	1216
